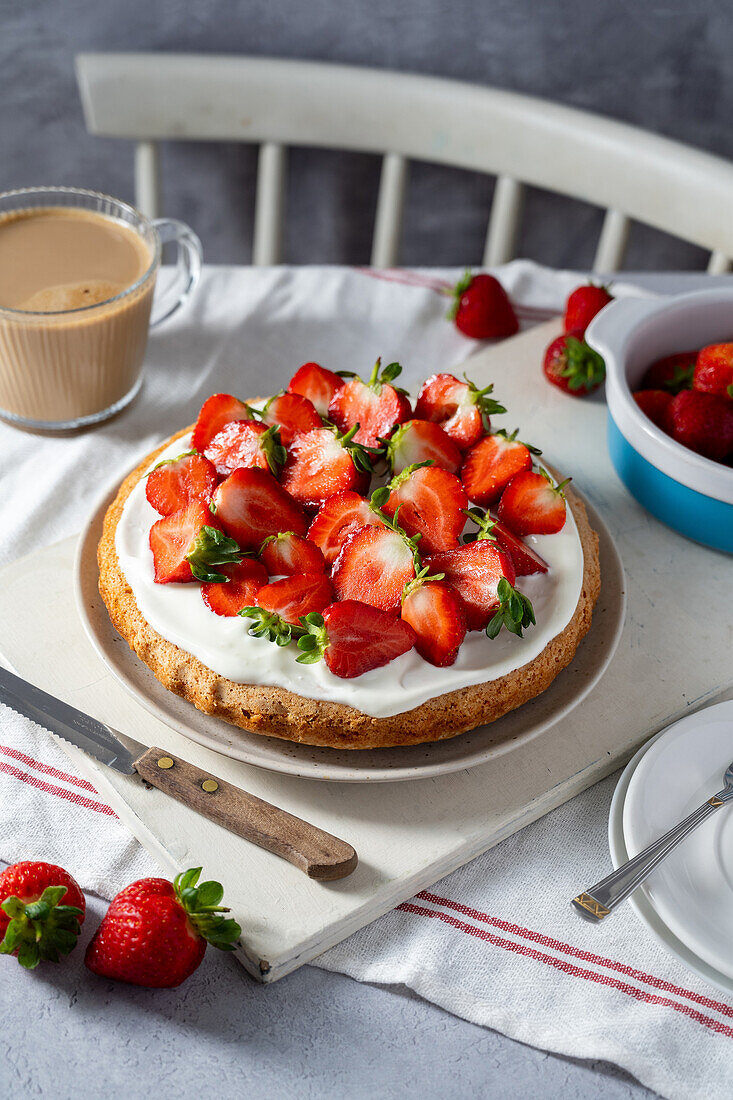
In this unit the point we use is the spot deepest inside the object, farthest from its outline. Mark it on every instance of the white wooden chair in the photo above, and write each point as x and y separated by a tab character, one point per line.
634	175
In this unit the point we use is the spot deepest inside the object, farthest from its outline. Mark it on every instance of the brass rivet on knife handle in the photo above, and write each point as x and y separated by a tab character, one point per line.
312	850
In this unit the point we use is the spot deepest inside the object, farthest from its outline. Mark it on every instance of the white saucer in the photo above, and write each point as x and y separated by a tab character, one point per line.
688	901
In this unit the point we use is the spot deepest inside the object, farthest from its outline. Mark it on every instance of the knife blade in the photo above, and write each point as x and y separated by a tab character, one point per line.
318	853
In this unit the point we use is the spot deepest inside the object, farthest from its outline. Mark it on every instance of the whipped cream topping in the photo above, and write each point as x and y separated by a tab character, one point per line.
179	614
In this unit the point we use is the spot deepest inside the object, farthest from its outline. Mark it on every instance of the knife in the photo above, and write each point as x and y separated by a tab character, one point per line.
319	854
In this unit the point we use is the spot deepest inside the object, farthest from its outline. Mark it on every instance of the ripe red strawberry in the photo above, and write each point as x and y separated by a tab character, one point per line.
187	543
672	373
704	423
338	517
246	443
317	384
436	613
155	932
430	502
353	638
215	412
656	404
525	559
482	309
532	504
323	462
41	912
418	441
461	409
292	597
582	306
714	370
573	366
374	565
491	464
250	505
474	571
292	413
287	553
176	482
240	589
375	406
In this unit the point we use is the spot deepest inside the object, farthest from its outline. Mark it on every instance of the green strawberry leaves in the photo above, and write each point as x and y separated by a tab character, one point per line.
209	548
515	611
203	908
40	930
272	448
484	523
383	376
170	461
270	625
584	368
457	293
314	642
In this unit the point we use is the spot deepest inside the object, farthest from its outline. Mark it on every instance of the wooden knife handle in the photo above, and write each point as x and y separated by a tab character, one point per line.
317	853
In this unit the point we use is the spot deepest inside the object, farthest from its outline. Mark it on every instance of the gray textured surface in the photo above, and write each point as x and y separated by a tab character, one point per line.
662	66
68	1033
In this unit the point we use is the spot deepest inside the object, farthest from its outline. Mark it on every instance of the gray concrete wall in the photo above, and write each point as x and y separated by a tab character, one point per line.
662	65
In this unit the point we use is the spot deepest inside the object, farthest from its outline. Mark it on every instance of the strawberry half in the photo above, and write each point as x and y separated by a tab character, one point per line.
187	543
461	409
244	580
251	504
524	559
246	443
714	370
292	414
374	565
338	517
353	638
491	464
430	503
532	504
216	411
474	571
373	407
317	384
572	365
481	308
435	611
323	462
292	597
287	553
582	306
173	484
418	441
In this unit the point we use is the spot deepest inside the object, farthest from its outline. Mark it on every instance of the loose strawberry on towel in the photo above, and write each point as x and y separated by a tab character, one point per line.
582	306
41	912
532	504
216	411
374	406
155	932
481	308
436	613
176	482
525	559
430	502
246	443
353	638
572	365
704	423
490	465
338	517
292	414
251	504
461	409
714	370
374	565
323	462
418	441
287	553
474	571
672	373
657	405
317	384
292	597
188	544
244	580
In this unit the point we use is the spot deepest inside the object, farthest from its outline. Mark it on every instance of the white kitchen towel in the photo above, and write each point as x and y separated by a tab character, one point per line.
495	942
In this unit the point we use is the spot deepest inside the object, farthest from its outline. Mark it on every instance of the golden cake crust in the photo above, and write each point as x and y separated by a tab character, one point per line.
277	712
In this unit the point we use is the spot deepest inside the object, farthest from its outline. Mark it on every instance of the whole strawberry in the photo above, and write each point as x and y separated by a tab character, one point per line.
155	932
582	306
703	422
714	370
34	924
572	365
481	308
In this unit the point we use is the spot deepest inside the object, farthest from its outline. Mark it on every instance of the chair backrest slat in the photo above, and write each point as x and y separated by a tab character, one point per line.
390	204
147	178
506	211
719	263
612	242
269	203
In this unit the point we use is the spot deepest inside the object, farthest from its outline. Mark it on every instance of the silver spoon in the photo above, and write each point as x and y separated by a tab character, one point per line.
598	901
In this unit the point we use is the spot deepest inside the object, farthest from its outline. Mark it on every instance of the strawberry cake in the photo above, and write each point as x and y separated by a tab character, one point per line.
335	567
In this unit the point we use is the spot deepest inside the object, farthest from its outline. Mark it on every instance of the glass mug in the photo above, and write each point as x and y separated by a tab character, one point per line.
70	368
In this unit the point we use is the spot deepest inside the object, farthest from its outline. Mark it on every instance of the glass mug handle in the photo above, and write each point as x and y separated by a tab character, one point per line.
188	268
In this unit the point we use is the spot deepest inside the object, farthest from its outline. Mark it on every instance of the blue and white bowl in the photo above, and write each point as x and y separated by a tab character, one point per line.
691	494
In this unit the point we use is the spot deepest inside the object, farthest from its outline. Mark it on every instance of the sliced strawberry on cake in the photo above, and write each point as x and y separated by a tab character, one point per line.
436	613
374	565
353	638
461	408
250	505
532	504
323	462
292	597
243	582
317	384
430	503
216	411
491	464
175	483
291	413
189	544
373	407
286	554
474	571
525	559
338	517
418	441
246	443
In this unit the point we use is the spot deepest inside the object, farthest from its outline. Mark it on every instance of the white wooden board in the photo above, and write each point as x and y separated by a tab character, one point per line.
675	654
